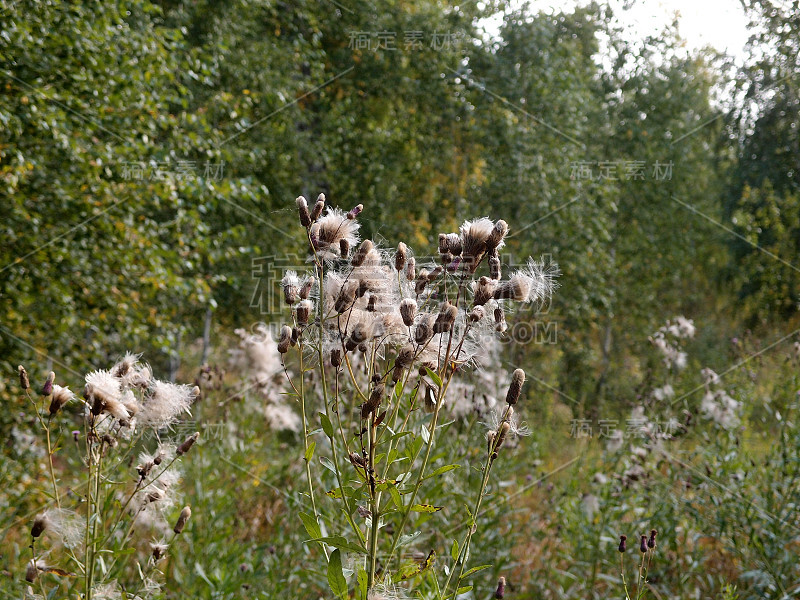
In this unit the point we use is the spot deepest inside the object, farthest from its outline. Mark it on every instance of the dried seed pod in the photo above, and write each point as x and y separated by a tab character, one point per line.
515	388
483	291
31	571
643	544
40	523
346	296
400	257
411	269
374	401
187	444
362	347
405	357
622	540
435	273
319	206
446	319
408	310
445	258
296	334
502	432
159	550
371	303
424	329
397	373
24	381
336	358
499	232
357	460
361	254
422	281
305	289
302	209
477	313
145	468
285	339
304	311
357	337
500	319
490	441
443	247
495	269
344	248
182	519
61	395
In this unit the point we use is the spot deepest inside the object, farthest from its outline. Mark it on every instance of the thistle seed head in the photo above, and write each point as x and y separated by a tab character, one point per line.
515	388
622	540
361	254
187	444
319	206
182	519
47	388
408	310
302	209
411	269
501	588
24	381
400	257
285	339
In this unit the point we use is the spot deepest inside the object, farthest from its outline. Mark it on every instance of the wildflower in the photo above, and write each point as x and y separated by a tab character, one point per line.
61	395
24	381
501	588
187	444
622	540
302	208
515	389
651	543
355	211
47	388
76	434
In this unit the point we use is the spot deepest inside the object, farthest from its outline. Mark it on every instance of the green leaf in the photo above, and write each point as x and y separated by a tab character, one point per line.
434	377
454	550
362	584
338	541
311	525
426	435
310	450
327	427
463	590
474	570
426	508
335	575
326	462
441	470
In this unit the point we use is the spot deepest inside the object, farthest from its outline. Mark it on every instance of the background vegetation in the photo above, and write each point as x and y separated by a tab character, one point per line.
150	153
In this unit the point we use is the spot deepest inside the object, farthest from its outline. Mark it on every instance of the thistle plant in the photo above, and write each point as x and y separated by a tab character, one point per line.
647	548
110	524
375	341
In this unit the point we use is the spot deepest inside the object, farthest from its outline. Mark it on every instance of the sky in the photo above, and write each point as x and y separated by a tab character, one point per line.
718	23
